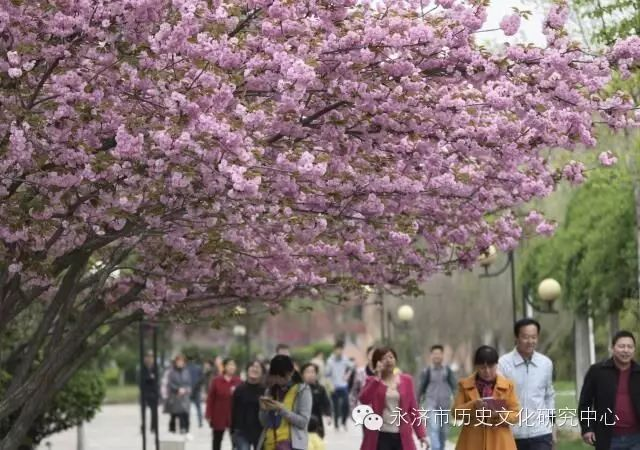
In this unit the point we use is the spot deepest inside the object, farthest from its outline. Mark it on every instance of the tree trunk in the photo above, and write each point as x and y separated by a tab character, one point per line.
56	310
614	324
636	195
53	363
583	343
635	180
66	350
81	437
48	383
29	412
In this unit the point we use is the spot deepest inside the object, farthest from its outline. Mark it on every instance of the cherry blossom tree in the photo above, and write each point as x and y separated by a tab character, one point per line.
185	157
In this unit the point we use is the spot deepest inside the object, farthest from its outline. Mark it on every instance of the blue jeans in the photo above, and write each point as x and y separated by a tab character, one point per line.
240	442
198	404
438	430
340	399
629	442
536	443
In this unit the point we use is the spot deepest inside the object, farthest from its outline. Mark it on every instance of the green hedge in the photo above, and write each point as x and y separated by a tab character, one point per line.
304	354
77	402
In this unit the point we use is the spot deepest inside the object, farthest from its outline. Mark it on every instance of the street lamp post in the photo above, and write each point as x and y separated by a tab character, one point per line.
240	331
549	290
405	314
487	259
142	328
379	302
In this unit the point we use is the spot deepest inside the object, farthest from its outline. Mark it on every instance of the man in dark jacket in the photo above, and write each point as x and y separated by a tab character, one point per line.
609	406
150	388
196	373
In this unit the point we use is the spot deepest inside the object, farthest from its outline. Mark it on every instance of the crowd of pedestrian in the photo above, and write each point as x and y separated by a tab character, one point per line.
506	403
278	406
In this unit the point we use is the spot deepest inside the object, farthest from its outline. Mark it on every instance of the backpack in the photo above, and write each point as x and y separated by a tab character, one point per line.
426	379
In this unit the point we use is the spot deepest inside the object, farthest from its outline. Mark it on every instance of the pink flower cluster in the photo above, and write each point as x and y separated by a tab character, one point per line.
211	153
510	24
574	172
607	159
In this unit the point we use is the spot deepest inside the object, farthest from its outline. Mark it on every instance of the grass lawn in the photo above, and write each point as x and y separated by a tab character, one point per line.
573	444
565	385
565	394
122	394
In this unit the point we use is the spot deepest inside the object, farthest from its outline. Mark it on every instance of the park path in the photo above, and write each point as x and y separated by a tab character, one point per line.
117	427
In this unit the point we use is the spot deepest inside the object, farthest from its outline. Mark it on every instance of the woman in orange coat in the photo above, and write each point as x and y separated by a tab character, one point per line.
487	404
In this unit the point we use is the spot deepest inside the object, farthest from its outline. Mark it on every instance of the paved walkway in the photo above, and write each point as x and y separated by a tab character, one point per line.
117	427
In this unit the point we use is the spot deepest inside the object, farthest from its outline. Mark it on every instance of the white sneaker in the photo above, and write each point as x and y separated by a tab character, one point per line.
188	437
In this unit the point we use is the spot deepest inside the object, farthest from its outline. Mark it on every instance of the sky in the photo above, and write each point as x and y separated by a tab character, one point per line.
530	30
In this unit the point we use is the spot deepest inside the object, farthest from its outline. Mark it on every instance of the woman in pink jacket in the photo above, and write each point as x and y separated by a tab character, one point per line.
392	397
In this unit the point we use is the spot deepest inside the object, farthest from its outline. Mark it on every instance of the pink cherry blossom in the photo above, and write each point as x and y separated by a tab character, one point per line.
607	159
510	24
545	228
534	218
445	3
558	15
27	66
257	150
15	72
574	172
13	58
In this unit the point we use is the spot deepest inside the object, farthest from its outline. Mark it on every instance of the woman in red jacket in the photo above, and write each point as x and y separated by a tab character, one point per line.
392	397
219	399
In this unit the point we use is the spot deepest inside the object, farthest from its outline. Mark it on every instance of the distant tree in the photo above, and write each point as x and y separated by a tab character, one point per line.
610	19
593	254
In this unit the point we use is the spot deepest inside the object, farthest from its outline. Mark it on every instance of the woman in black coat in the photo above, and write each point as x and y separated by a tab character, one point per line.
245	424
321	402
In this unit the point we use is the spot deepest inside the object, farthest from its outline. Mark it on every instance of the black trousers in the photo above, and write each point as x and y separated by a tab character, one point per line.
535	443
217	439
152	404
389	441
183	420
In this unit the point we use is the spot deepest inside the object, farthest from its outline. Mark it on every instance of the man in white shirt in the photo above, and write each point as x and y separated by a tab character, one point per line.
337	370
532	373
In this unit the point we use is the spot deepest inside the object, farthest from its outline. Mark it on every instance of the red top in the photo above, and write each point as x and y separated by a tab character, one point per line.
219	398
627	422
374	393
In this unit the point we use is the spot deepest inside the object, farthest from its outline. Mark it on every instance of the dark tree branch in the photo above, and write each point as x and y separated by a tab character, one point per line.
71	361
65	295
9	297
94	316
43	80
90	246
252	15
19	301
307	121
